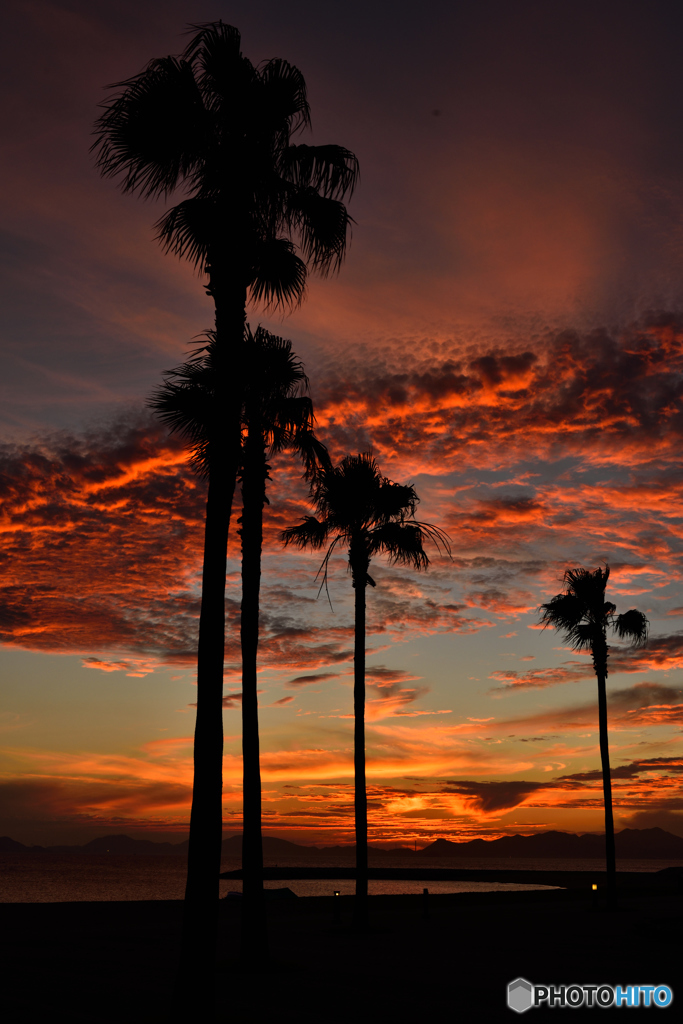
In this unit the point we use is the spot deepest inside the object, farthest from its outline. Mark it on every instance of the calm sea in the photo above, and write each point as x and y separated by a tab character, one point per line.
65	877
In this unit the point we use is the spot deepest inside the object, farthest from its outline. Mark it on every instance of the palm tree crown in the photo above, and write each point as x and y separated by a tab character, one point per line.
277	410
583	616
273	401
218	127
359	507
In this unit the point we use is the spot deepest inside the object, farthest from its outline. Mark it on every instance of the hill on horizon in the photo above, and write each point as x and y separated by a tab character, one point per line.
644	843
630	843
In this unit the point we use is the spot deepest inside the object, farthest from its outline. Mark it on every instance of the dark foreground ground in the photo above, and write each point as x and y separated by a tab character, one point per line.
114	962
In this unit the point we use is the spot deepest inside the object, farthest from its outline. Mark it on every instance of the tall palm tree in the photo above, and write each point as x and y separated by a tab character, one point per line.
256	213
276	416
212	125
370	515
583	616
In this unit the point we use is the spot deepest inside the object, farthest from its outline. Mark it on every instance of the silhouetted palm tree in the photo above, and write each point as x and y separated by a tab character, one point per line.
277	417
357	507
193	403
212	125
583	616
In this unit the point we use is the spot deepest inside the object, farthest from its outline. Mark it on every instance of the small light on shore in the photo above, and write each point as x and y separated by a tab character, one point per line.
337	892
593	886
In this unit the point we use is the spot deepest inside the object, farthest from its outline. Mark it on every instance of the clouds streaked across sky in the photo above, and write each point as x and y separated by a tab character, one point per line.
507	334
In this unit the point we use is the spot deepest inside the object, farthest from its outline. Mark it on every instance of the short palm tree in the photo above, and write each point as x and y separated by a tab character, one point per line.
369	515
276	416
583	616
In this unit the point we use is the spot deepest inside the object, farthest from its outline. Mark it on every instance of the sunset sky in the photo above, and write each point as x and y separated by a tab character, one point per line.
506	334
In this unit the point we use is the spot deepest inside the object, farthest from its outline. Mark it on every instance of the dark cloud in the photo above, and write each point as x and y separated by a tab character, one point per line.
488	797
502	602
74	799
638	705
382	676
633	770
320	677
660	653
538	678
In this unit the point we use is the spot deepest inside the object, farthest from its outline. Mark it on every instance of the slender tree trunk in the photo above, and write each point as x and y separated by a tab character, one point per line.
195	980
254	472
600	653
359	568
610	856
200	913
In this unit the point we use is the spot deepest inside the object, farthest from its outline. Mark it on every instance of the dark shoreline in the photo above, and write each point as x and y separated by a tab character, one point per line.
583	879
101	963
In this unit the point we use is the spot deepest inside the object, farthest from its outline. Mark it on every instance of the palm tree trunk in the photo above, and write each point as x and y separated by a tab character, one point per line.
254	928
195	982
359	568
610	857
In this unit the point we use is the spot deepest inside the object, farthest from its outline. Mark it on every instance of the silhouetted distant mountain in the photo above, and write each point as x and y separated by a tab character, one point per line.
630	843
8	845
122	844
272	847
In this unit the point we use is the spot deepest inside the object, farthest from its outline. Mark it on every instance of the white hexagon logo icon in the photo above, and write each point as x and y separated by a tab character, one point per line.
520	995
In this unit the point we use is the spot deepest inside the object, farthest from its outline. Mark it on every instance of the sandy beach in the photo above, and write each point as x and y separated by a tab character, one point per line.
106	962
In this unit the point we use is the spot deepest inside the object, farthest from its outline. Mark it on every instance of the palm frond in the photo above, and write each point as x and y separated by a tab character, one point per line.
278	274
154	131
310	533
274	371
228	81
314	453
209	36
284	89
402	542
188	230
438	537
395	500
289	427
323	226
331	170
186	405
588	586
563	612
634	625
